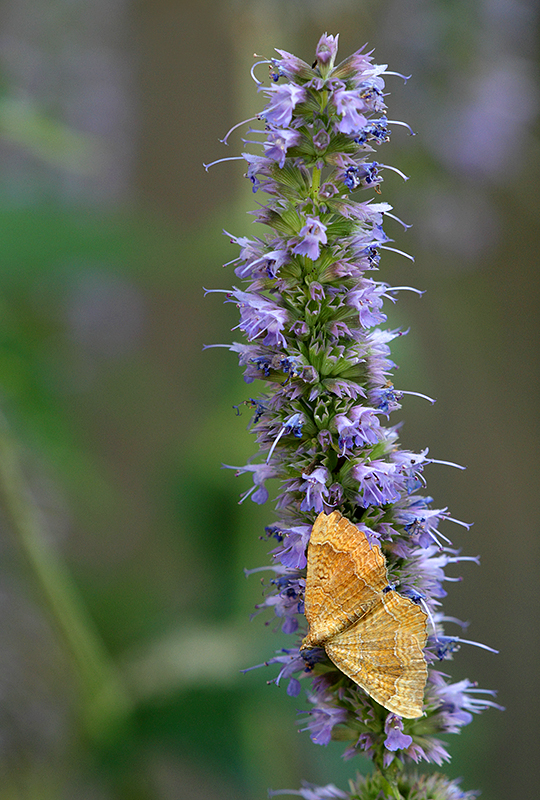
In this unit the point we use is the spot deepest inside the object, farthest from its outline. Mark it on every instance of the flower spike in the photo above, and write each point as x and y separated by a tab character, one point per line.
310	311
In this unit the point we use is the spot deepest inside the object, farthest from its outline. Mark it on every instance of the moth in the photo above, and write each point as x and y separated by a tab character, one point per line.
369	631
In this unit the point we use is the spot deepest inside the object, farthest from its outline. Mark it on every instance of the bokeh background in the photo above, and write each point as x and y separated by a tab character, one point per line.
124	611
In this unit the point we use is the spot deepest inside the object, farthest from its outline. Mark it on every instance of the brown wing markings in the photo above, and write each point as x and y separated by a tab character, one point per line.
344	577
384	659
373	637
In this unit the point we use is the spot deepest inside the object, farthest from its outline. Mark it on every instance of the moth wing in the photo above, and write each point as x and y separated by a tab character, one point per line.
382	653
345	577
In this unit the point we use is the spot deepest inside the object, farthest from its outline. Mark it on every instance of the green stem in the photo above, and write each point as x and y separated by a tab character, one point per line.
315	182
389	778
390	784
104	699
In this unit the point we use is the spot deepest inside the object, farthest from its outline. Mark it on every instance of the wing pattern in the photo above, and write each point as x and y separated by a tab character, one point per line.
369	631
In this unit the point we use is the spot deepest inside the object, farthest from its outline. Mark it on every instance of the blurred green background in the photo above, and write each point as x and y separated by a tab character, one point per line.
124	610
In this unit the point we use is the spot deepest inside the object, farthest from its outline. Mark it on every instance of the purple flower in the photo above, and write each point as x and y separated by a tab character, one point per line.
371	91
292	552
257	263
258	316
356	67
365	297
277	144
378	482
351	107
323	718
287	602
283	100
360	428
327	49
314	488
313	235
261	473
290	66
292	662
457	702
259	166
395	738
321	140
